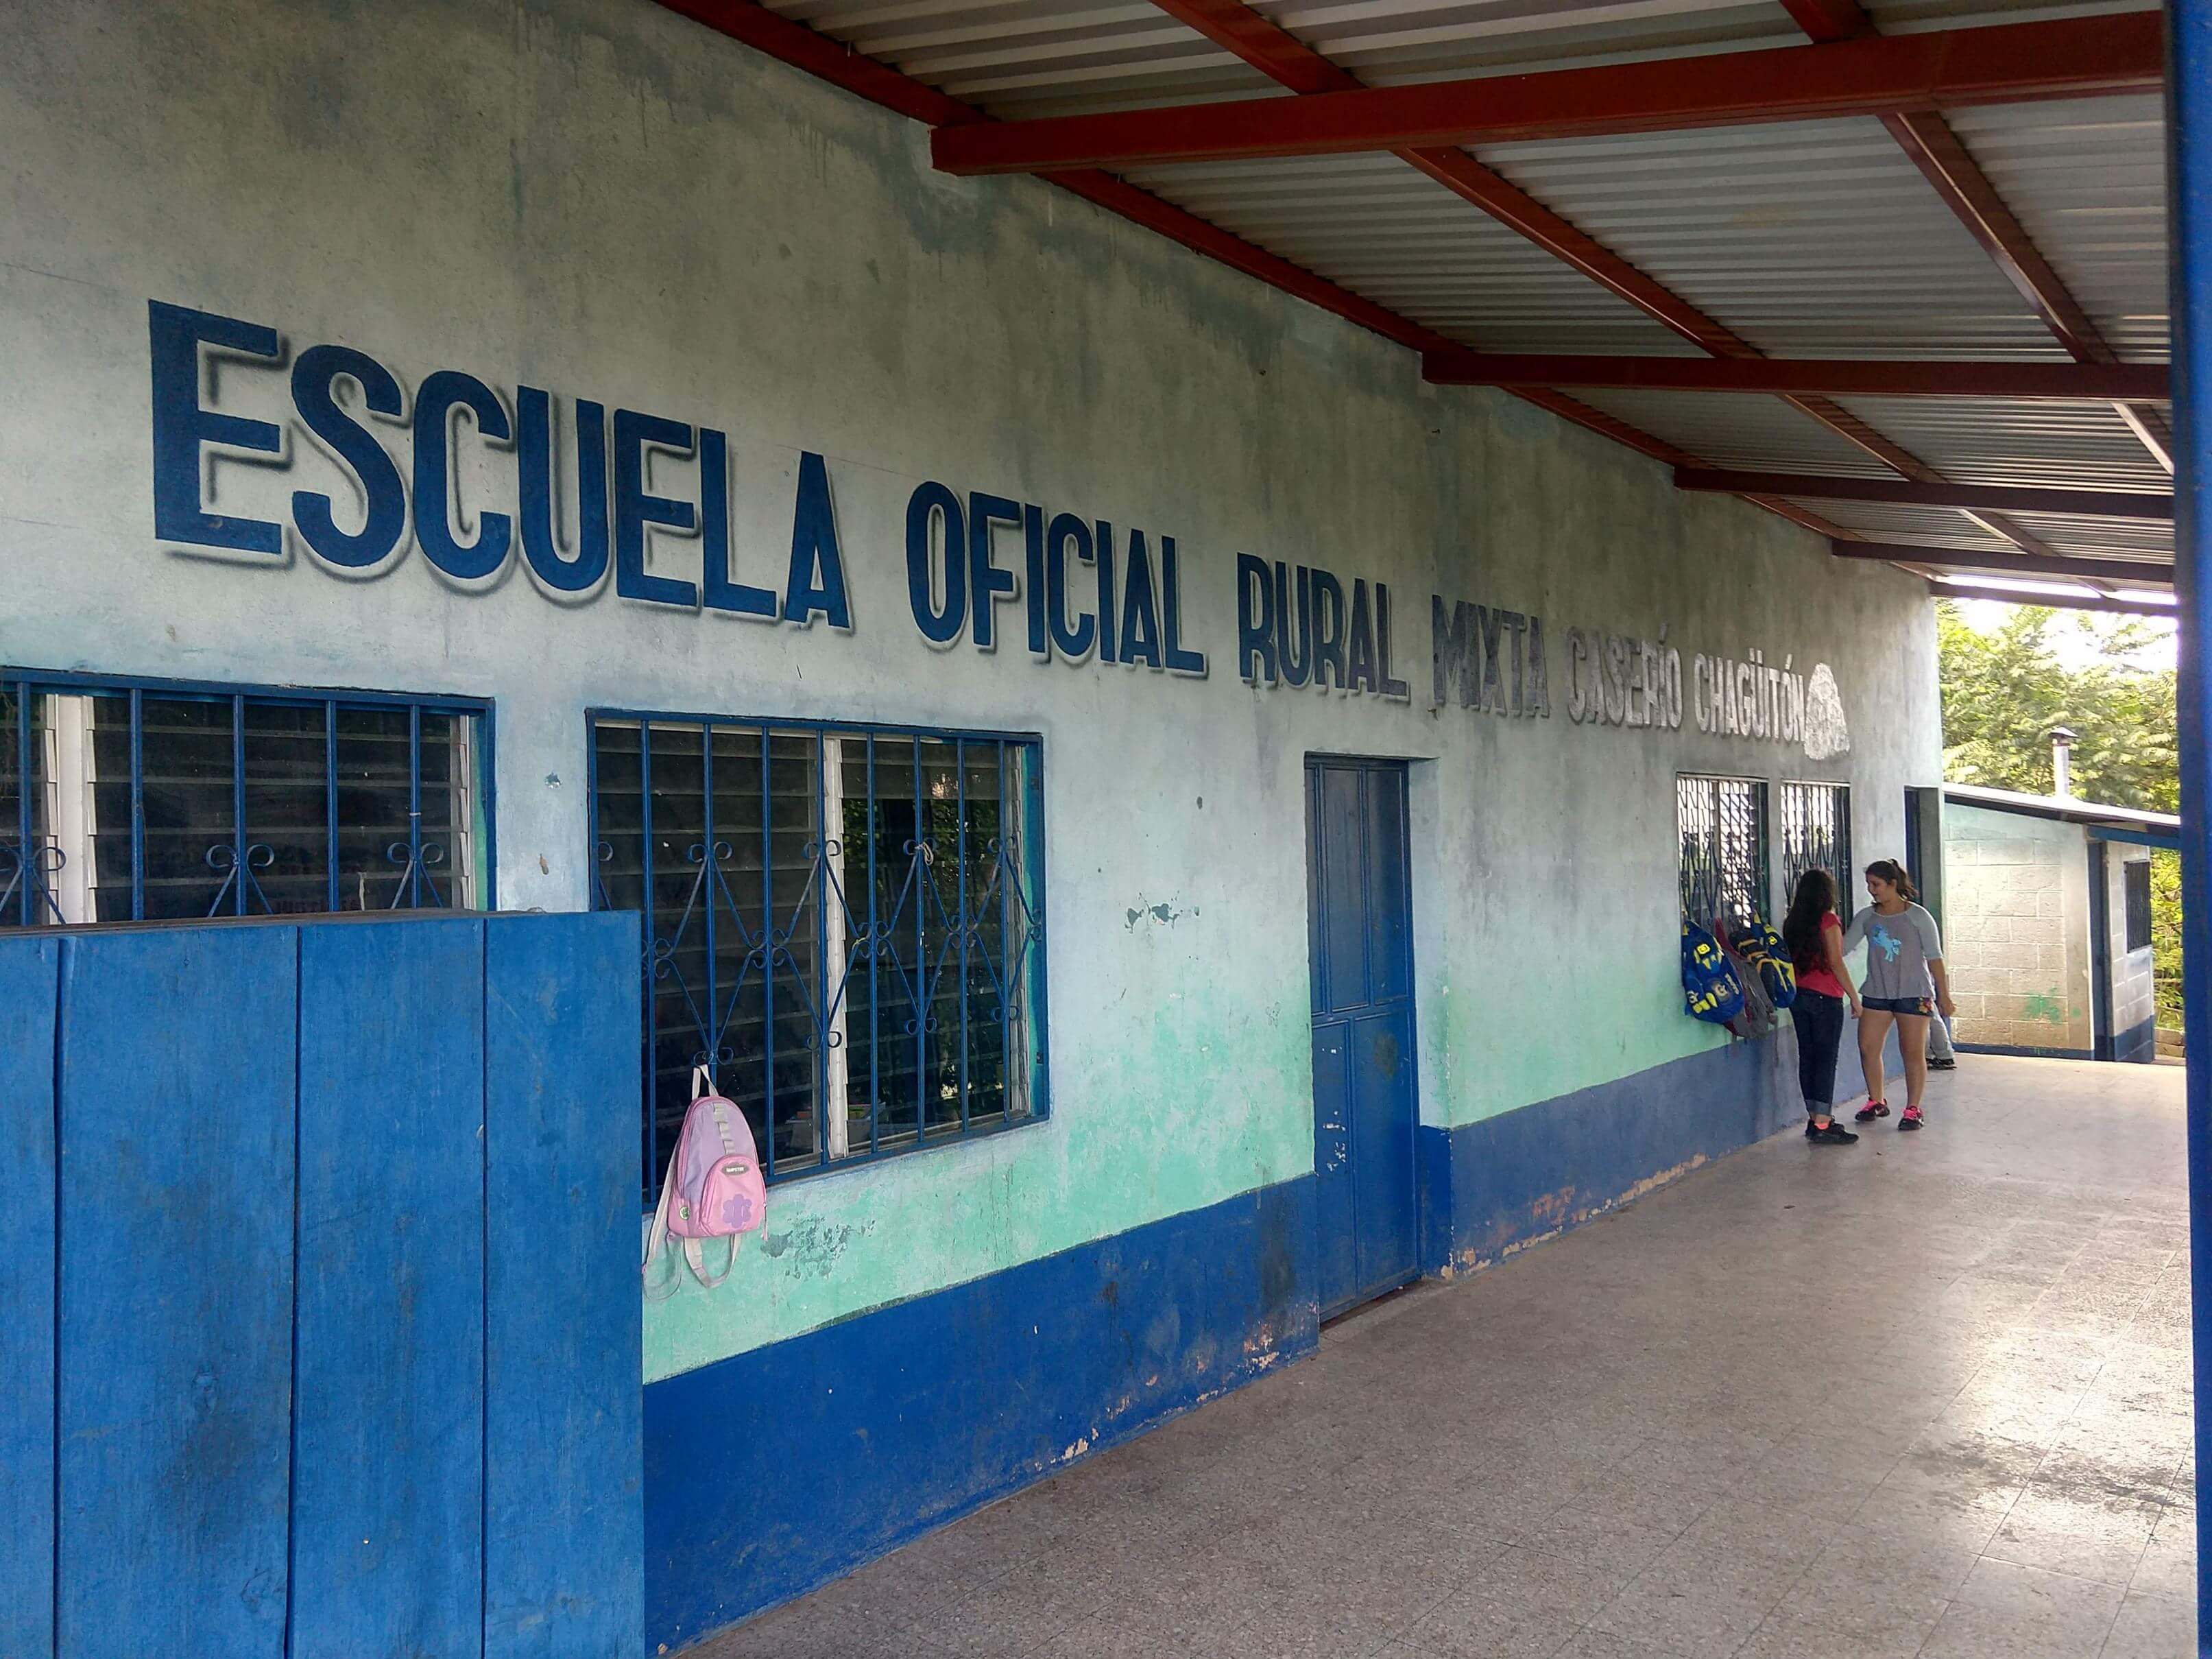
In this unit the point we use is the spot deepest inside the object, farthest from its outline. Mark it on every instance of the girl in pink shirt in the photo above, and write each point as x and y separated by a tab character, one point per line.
1815	934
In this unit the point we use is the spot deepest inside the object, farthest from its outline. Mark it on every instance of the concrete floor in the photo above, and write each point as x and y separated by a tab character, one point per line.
1924	1396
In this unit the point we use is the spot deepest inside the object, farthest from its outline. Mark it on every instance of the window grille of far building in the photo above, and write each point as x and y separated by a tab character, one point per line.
2135	881
1721	823
1816	835
140	800
844	927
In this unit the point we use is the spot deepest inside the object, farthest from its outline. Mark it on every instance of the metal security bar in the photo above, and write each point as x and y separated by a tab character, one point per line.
1722	826
1816	835
844	925
131	801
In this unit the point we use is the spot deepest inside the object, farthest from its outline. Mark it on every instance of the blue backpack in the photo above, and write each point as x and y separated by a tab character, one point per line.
1762	947
1711	990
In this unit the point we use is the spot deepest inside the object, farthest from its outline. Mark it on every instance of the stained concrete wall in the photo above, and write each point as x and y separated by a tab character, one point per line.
2016	891
600	197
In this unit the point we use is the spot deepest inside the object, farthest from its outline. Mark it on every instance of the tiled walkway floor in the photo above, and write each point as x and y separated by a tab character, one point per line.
1924	1396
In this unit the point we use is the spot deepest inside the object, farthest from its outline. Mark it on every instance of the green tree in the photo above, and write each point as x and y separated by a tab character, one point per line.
2003	691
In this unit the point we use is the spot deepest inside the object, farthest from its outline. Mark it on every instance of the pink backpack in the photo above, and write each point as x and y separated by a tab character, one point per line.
714	1188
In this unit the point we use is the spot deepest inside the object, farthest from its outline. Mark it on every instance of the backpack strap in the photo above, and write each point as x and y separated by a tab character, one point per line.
656	1246
695	1254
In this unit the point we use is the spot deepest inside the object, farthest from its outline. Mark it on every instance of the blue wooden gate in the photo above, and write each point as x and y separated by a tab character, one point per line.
1365	1117
318	1267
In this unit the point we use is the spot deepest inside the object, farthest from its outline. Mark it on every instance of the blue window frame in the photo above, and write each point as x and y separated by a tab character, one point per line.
844	925
142	799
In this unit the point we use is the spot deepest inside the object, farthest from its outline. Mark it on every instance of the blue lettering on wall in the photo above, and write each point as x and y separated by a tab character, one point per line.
815	586
988	583
1255	621
437	401
718	588
587	568
936	543
956	579
1073	637
315	384
634	509
181	426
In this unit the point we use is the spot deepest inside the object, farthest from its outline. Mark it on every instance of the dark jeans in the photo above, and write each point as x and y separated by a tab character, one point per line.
1820	1023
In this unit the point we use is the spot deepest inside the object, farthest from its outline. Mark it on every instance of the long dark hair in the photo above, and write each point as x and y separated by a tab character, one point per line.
1814	897
1893	872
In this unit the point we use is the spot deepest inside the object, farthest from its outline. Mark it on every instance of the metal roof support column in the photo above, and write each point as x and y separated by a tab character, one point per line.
2189	124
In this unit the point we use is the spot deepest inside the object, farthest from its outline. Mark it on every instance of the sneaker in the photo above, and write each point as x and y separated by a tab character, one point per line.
1911	1119
1809	1130
1871	1110
1934	1065
1834	1135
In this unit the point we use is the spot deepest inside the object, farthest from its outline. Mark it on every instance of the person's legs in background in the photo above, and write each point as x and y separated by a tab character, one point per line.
1942	1057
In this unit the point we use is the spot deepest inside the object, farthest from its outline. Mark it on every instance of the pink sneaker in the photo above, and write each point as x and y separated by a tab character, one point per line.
1871	1110
1911	1119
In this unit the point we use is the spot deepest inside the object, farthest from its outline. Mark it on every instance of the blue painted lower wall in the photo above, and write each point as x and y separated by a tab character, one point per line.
773	1472
2024	1052
1493	1187
2138	1045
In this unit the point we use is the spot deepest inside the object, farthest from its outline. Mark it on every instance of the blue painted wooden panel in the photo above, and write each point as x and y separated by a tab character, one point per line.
1383	1128
387	1488
29	970
1365	1113
563	1463
177	1051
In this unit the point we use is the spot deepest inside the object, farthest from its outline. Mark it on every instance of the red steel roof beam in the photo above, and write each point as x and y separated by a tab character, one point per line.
1847	378
1912	492
1877	74
1998	564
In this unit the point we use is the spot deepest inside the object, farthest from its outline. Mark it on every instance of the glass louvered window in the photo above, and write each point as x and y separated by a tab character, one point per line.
148	800
1816	835
843	927
1721	823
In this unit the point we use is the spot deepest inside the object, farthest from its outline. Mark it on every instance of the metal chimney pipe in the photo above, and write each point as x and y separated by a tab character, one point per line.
2062	763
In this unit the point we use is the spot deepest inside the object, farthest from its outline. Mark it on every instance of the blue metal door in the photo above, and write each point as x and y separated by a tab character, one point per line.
1361	949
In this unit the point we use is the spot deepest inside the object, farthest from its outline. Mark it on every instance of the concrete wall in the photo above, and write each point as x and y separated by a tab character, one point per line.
599	197
2134	1015
2016	889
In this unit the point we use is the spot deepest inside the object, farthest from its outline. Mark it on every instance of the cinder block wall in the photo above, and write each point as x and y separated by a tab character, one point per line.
2016	895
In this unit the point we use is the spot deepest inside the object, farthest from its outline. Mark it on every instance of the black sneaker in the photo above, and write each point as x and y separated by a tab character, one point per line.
1871	1110
1934	1065
1834	1135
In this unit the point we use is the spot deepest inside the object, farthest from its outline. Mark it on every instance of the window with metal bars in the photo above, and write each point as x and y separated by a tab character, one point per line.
1722	826
1816	835
124	800
844	925
2134	879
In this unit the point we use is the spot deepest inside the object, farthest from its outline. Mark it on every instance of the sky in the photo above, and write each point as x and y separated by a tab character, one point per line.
2073	636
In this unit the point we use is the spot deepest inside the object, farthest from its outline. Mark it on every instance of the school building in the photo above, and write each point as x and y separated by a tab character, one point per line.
1148	695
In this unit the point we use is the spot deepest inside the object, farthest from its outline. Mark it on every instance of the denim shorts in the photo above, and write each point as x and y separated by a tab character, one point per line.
1920	1005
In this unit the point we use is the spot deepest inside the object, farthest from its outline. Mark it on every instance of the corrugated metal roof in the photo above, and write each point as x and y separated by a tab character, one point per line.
1395	235
1814	239
2086	180
2080	446
1037	58
1763	434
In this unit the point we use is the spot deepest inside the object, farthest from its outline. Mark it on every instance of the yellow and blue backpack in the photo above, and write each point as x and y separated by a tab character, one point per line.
1711	990
1762	947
